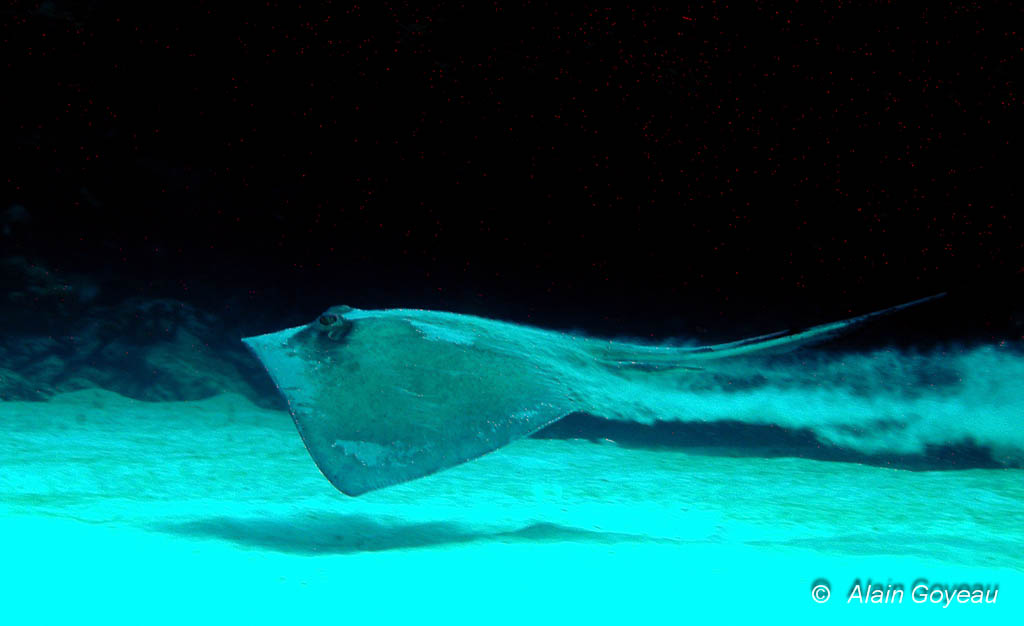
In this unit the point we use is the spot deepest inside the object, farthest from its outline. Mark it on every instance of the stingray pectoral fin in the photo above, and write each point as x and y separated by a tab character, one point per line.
388	403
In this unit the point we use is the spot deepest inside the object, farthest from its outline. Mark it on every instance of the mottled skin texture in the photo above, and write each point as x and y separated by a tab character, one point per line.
382	397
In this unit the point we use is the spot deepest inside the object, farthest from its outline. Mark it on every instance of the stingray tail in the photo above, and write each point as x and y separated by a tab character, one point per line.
781	341
798	338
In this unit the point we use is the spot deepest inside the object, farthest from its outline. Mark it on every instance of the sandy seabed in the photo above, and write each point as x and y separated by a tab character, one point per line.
119	511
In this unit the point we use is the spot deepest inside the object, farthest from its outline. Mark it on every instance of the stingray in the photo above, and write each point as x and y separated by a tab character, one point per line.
381	397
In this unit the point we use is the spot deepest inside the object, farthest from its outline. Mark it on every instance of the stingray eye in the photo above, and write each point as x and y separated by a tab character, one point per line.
327	320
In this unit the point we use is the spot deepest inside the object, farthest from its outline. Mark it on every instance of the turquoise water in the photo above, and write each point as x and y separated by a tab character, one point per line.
381	397
119	511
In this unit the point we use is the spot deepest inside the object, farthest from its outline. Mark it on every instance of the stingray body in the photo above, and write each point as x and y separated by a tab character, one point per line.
381	397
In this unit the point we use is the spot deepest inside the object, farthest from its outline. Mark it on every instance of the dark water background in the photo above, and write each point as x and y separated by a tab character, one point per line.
181	175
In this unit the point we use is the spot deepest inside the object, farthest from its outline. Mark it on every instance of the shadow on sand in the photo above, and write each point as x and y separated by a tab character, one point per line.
330	533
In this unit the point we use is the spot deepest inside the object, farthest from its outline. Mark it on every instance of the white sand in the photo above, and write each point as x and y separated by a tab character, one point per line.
116	511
